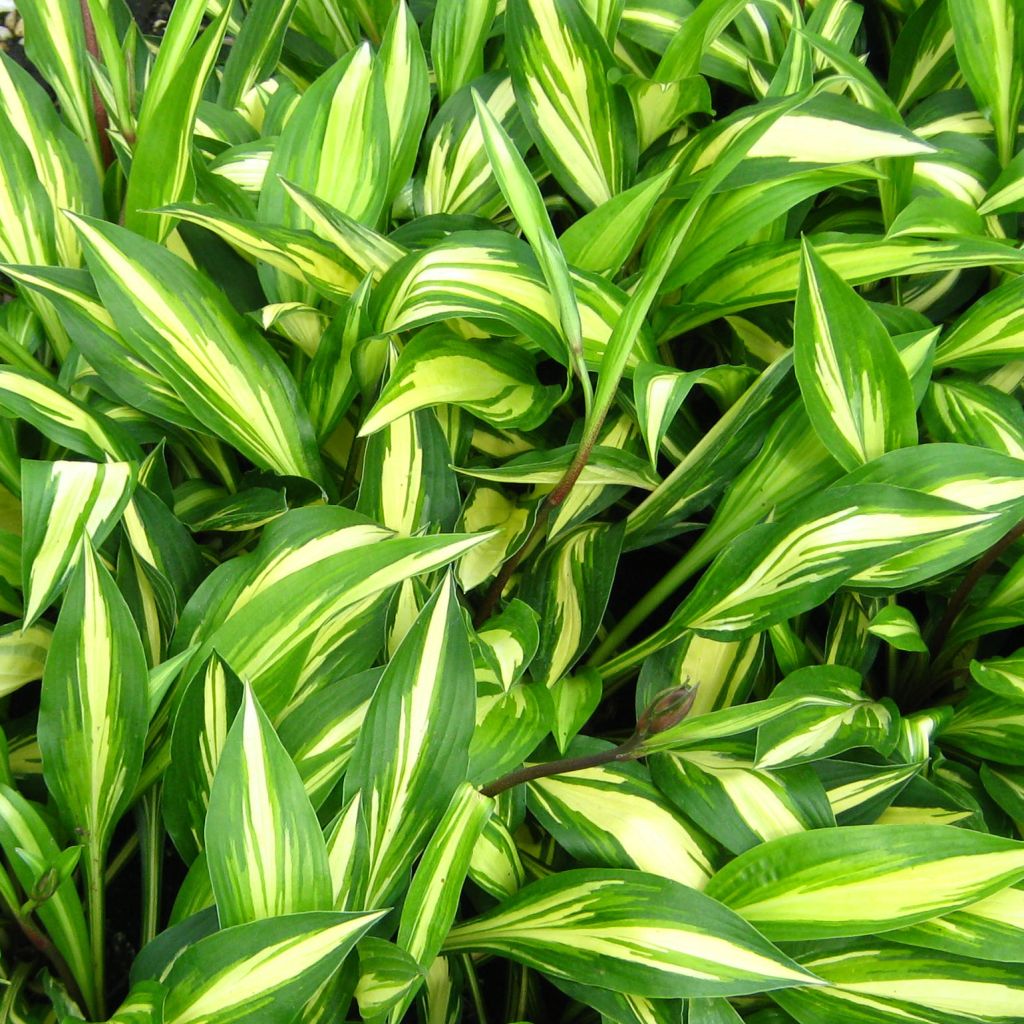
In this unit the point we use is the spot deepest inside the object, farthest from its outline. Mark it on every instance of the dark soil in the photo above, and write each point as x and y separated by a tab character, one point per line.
151	15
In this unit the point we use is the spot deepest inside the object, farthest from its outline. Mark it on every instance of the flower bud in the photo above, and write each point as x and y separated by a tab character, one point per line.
667	709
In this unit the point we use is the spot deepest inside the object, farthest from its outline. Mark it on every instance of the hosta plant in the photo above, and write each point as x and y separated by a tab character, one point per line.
512	511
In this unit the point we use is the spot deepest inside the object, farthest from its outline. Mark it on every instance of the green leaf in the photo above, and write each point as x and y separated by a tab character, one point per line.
336	146
612	816
132	379
407	481
582	123
161	168
864	879
838	717
22	655
175	319
491	275
457	40
856	391
988	726
875	982
406	94
265	849
61	417
261	972
56	45
768	273
658	392
62	162
645	935
93	708
320	732
298	254
569	590
719	787
207	708
988	333
987	930
527	206
63	502
898	628
789	566
23	829
412	752
255	52
989	40
574	699
860	792
495	864
1001	676
433	897
494	380
602	240
317	574
959	410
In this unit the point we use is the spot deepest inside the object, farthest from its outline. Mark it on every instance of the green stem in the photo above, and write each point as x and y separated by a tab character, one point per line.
151	843
474	988
14	987
963	592
94	870
42	943
690	563
118	861
551	502
522	996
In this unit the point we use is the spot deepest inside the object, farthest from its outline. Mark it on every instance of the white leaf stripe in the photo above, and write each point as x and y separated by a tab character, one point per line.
22	828
495	381
763	275
877	982
736	803
493	275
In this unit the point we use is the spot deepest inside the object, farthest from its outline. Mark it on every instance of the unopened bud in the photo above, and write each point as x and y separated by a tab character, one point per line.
45	886
667	709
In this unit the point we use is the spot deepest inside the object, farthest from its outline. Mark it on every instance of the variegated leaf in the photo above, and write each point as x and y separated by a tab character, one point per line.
413	750
93	707
647	935
259	972
581	121
854	385
877	982
64	502
569	591
204	715
433	897
492	379
265	849
176	320
740	804
612	816
864	879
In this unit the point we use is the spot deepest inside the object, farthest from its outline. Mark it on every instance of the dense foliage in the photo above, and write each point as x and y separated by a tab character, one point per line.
512	510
